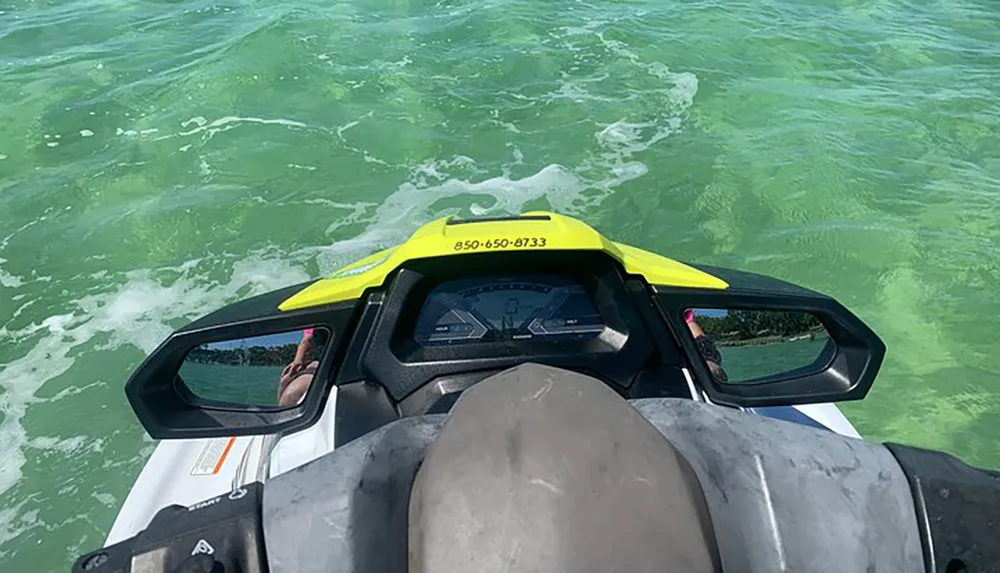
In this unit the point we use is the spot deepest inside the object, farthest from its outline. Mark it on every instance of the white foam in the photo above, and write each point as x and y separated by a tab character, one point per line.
105	499
86	133
132	314
197	120
230	122
138	308
66	446
345	127
413	203
569	190
440	169
622	139
369	158
24	306
576	91
685	84
341	129
74	390
518	156
6	240
506	125
134	132
8	280
13	523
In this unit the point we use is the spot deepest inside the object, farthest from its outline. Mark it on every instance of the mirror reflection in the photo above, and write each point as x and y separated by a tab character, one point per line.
747	346
270	370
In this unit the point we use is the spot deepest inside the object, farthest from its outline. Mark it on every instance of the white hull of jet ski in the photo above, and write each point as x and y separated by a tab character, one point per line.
185	472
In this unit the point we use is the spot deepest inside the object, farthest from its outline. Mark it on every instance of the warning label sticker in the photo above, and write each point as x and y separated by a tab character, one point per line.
212	456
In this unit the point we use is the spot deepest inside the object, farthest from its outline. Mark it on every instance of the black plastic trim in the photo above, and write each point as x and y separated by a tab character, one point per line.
747	282
514	218
661	334
220	534
352	368
958	510
167	411
428	396
361	407
115	558
373	345
660	381
248	310
849	375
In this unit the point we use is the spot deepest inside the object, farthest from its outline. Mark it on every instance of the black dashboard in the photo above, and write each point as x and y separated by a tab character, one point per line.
439	328
501	308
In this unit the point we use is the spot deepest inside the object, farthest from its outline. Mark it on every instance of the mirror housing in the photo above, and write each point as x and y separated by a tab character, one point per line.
848	375
167	409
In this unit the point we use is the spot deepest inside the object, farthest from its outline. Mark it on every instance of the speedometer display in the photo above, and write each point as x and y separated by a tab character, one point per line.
494	309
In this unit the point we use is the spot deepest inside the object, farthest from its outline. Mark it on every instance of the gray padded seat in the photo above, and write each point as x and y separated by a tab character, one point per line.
836	505
354	518
544	470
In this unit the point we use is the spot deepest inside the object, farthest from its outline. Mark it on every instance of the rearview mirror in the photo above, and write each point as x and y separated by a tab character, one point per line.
774	343
273	370
246	369
757	346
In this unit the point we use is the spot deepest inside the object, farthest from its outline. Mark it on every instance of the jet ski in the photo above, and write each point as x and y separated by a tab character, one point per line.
526	394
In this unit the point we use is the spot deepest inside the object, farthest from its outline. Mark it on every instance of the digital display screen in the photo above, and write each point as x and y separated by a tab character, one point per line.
547	307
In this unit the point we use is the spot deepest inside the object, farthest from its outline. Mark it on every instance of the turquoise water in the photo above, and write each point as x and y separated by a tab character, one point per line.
159	159
744	364
257	385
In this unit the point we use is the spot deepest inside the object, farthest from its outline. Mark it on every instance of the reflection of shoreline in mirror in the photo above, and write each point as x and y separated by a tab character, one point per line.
269	370
743	327
252	356
766	340
750	345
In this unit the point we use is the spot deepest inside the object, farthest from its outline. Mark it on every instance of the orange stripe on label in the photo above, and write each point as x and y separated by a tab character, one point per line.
222	458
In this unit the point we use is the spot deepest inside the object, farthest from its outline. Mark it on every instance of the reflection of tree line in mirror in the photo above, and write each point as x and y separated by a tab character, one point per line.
758	327
250	356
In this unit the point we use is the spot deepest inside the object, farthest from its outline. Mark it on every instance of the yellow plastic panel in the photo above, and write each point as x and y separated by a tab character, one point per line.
536	231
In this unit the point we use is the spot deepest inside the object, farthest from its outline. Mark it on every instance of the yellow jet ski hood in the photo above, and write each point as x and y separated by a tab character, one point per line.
534	231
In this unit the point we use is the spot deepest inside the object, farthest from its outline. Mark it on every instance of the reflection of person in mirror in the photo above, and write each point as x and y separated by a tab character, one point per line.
707	348
298	375
305	345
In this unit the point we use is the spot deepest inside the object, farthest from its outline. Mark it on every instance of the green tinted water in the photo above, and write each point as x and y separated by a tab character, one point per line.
744	364
159	159
246	384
